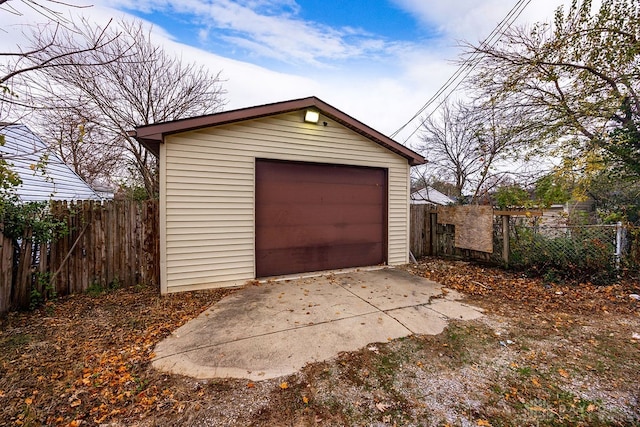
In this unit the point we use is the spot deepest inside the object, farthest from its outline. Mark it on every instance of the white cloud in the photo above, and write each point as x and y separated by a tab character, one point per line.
473	20
247	84
384	83
270	29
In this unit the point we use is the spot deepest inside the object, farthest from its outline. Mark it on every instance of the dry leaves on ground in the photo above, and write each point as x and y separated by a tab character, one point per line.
86	358
500	290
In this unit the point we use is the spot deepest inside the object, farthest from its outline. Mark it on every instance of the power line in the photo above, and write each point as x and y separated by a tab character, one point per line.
467	66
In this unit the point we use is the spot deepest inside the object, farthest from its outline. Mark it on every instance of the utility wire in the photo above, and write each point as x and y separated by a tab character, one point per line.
466	67
466	64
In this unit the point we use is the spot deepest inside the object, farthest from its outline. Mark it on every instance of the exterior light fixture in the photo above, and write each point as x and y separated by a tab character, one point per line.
311	116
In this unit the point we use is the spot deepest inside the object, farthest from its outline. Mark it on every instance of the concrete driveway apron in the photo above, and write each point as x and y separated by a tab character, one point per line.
275	328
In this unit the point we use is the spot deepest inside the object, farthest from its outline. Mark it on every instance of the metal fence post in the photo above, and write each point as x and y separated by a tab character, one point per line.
505	239
619	231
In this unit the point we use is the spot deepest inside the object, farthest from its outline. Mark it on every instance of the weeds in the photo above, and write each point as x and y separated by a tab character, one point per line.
96	288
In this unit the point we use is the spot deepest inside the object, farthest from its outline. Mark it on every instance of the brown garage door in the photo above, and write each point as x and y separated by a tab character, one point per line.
312	217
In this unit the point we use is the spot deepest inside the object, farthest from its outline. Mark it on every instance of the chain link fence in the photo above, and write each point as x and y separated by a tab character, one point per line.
598	253
538	244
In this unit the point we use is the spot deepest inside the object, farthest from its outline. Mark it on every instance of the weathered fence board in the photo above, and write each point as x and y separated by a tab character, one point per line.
107	244
421	238
6	272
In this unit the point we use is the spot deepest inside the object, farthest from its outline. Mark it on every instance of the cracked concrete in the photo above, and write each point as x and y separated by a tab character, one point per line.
275	328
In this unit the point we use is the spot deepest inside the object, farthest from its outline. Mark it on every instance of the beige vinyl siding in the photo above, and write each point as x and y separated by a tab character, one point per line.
208	193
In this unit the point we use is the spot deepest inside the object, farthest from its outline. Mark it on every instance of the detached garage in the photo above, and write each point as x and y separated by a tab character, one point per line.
291	187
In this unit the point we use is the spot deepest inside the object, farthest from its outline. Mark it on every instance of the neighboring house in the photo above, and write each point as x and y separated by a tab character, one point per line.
24	151
430	196
290	187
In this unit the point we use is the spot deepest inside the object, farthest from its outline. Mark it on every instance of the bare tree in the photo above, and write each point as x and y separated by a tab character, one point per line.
472	146
81	142
52	46
46	8
576	79
24	63
146	86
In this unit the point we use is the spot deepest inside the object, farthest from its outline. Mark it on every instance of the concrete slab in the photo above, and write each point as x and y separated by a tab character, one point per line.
275	328
271	307
284	352
391	288
420	319
456	310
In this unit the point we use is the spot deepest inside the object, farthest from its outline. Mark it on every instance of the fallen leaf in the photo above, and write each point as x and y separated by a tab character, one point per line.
483	423
535	382
591	407
563	373
251	385
305	400
76	403
382	406
28	401
537	409
284	386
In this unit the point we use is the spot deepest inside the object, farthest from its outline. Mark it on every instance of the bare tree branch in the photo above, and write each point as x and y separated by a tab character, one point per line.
144	85
578	77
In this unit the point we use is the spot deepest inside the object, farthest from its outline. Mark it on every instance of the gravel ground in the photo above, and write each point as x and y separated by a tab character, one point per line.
544	354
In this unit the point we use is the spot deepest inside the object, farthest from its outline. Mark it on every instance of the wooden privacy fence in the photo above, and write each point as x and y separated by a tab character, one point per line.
430	237
107	244
423	227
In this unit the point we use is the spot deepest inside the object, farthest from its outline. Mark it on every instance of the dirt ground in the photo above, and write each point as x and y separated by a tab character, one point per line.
544	354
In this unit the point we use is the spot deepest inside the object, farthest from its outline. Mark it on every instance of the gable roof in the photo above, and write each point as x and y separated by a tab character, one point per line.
429	195
22	150
152	135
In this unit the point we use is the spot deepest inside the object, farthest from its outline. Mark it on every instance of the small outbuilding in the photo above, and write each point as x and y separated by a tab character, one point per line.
291	187
430	196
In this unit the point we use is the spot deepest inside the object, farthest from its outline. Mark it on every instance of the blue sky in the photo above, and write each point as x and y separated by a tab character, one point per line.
366	19
286	35
377	60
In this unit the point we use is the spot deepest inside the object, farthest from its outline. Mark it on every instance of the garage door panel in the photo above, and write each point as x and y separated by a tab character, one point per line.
301	215
326	174
319	235
331	193
329	257
312	217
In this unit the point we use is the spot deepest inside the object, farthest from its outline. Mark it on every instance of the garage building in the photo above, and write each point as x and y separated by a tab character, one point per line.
291	187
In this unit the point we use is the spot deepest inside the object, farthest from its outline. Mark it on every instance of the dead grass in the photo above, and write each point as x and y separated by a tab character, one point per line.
544	355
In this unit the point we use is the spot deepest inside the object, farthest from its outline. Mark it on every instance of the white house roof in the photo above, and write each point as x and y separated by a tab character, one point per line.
23	149
431	196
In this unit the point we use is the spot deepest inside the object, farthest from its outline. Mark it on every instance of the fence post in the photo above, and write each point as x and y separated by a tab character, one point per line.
619	231
505	239
433	230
